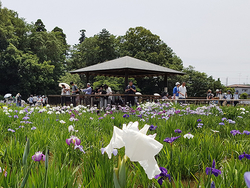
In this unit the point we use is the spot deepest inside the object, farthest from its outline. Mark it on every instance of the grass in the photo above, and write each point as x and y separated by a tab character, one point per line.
185	159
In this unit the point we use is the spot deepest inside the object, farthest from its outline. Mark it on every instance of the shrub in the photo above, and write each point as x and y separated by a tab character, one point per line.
244	96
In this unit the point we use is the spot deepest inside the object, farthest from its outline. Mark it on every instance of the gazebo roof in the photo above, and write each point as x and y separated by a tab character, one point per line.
126	65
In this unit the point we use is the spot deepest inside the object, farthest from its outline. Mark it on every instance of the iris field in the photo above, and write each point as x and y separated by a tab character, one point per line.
203	146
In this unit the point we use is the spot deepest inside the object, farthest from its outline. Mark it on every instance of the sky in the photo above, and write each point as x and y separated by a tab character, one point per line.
211	35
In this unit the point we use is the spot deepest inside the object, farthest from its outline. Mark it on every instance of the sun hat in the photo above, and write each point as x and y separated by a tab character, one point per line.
217	90
177	83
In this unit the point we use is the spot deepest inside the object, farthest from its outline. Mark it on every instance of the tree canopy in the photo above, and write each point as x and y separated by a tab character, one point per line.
35	60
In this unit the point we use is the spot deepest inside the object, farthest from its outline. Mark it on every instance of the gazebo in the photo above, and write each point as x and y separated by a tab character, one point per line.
127	67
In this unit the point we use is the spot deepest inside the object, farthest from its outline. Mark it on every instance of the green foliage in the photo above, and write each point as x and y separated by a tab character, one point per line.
243	96
31	59
229	89
67	78
185	159
44	53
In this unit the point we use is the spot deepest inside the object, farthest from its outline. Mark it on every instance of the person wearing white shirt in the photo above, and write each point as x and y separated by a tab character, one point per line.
109	92
183	91
229	97
236	97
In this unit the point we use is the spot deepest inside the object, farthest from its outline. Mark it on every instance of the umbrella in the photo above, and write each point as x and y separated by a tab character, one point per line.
7	95
66	85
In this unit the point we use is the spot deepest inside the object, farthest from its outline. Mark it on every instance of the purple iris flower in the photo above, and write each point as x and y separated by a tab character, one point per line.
200	125
198	120
164	174
231	121
234	132
21	126
38	156
247	178
246	132
221	123
80	147
74	140
213	170
140	116
100	118
177	131
11	130
244	155
223	119
57	119
33	128
16	111
212	184
152	127
112	117
115	151
15	116
26	118
170	140
125	116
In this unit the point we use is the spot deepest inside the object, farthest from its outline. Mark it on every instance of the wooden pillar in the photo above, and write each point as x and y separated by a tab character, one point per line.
87	77
165	82
126	80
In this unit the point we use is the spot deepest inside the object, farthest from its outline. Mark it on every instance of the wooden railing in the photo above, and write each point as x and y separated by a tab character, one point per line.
95	99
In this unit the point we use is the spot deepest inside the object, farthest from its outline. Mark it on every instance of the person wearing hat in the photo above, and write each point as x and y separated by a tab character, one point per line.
176	90
210	95
88	91
236	97
229	97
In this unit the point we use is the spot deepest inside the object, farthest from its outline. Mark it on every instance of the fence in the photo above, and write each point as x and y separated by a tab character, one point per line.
98	99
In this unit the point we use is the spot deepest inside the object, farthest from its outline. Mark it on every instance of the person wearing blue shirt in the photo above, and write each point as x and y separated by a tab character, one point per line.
131	89
88	91
176	90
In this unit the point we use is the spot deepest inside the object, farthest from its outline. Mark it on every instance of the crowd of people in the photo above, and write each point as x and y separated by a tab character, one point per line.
103	90
223	98
180	92
37	100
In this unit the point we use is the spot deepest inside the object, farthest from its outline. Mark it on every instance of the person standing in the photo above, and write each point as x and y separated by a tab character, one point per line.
229	97
35	99
30	100
63	93
183	91
18	99
130	89
88	91
176	90
109	92
220	96
75	90
210	95
236	97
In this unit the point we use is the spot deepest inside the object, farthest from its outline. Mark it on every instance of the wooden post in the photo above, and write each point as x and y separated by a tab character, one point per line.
125	85
87	77
126	79
166	80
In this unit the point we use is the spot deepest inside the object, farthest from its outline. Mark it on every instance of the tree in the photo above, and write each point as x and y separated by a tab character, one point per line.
67	78
83	36
106	46
39	26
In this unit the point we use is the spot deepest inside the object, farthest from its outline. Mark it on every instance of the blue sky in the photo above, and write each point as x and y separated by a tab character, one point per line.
212	35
